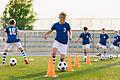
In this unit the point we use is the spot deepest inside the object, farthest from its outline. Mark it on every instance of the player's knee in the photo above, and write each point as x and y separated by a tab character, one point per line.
54	52
85	50
62	56
21	49
97	46
6	50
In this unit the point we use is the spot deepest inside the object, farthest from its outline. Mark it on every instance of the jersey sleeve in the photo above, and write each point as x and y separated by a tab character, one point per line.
69	28
80	35
17	29
53	27
89	35
107	37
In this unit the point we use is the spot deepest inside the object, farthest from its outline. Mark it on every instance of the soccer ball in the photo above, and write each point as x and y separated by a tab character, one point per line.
110	57
62	66
13	62
102	57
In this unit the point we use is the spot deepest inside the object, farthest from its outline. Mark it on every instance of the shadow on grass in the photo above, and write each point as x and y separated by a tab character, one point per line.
41	74
86	71
64	75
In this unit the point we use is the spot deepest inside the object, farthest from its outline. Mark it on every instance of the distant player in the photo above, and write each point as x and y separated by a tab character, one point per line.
12	40
104	38
86	37
63	33
115	44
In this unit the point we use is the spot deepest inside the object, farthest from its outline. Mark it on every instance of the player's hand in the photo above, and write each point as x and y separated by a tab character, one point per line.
18	39
3	39
91	41
70	38
45	37
76	41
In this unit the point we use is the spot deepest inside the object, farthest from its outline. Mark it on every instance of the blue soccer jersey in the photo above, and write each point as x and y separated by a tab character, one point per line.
11	34
103	39
117	40
61	32
85	38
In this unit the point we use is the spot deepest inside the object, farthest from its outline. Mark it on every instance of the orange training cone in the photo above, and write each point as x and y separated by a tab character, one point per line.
51	70
88	60
69	64
76	64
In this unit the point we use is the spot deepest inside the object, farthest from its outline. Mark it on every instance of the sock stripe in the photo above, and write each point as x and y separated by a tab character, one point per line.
4	58
23	54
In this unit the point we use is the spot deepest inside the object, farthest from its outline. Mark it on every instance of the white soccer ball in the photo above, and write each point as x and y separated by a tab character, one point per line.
110	57
13	62
102	57
62	66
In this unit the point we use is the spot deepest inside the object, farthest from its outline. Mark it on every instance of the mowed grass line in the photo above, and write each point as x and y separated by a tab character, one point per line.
101	70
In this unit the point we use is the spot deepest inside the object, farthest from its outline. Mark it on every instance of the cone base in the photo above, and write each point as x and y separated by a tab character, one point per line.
76	66
70	71
88	63
51	77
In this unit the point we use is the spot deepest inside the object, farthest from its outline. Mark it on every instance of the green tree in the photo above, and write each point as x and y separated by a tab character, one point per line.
22	12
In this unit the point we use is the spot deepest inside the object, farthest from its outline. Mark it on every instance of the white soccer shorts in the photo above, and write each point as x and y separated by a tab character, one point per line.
86	46
62	48
101	46
17	44
114	47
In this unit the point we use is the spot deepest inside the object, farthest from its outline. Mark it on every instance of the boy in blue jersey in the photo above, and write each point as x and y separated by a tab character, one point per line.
104	38
86	37
63	33
115	44
12	40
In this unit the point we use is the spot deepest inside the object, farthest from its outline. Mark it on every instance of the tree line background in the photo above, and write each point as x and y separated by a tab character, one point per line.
22	11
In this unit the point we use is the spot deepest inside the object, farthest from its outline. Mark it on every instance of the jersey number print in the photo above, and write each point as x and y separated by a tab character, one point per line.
64	30
12	31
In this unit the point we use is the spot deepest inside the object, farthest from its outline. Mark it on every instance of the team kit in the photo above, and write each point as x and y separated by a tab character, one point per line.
60	44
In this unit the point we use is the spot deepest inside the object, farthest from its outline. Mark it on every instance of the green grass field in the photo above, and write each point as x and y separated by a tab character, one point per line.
101	70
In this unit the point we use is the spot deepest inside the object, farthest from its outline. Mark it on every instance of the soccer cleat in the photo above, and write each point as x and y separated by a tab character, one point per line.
2	64
26	61
99	54
117	57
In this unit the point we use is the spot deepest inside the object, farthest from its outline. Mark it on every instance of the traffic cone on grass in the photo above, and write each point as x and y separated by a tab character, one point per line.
50	70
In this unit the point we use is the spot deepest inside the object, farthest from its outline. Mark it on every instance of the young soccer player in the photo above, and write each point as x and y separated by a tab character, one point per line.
86	37
115	44
104	38
12	40
63	33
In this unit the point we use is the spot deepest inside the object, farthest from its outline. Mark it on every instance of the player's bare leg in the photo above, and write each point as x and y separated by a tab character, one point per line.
85	53
24	55
62	57
99	52
54	54
117	54
110	51
104	52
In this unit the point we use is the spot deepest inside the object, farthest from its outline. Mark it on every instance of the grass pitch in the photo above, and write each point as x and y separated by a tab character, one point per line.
101	70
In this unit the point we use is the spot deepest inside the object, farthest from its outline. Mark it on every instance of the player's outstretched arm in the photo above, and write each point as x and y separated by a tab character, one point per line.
18	34
91	38
108	40
47	33
70	35
78	40
3	35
